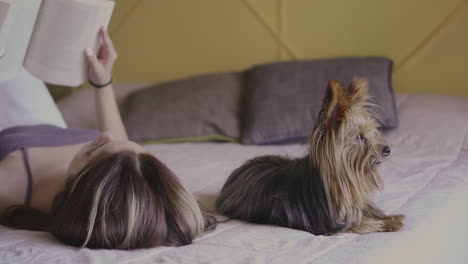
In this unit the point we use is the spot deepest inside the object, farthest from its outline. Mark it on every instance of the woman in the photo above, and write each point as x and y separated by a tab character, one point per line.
91	189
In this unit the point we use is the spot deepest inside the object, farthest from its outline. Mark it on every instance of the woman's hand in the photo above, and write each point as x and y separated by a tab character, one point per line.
100	66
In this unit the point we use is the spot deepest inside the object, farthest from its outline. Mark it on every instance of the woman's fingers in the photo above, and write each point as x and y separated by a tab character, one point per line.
92	59
101	64
97	73
109	52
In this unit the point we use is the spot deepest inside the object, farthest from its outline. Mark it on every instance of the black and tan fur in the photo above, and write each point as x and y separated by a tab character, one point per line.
329	190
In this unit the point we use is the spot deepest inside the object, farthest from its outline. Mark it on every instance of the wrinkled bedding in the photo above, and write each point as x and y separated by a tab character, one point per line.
426	178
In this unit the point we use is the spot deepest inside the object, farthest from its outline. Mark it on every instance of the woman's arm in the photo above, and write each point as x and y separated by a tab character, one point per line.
108	116
100	73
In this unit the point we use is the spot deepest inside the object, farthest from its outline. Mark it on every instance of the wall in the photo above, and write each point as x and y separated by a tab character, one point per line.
160	40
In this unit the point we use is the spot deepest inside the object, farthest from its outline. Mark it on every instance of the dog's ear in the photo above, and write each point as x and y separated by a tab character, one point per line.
335	104
358	91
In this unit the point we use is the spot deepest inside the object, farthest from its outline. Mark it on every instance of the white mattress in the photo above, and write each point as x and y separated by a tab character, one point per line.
426	178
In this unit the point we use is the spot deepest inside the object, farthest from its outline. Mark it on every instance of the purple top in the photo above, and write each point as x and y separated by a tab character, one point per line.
24	137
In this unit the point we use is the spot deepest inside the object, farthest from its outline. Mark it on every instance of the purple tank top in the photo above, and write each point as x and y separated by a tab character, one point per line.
24	137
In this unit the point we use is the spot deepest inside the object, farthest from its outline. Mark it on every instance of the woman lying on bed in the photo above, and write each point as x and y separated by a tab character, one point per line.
93	189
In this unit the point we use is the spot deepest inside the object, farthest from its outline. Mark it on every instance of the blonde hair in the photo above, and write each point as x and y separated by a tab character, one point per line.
124	201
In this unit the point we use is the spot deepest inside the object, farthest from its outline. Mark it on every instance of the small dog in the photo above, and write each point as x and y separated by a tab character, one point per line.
329	190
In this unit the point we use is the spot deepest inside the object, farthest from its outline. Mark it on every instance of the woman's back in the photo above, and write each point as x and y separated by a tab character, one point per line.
34	160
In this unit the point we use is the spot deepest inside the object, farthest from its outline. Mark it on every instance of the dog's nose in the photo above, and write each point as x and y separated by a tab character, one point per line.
386	150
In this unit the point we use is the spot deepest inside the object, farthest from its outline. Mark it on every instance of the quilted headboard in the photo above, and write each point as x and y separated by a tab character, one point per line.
163	40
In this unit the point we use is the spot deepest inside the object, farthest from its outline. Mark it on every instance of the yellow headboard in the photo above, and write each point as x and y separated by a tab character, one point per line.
160	40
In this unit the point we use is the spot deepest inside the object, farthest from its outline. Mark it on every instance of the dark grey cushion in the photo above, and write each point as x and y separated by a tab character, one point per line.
285	98
193	109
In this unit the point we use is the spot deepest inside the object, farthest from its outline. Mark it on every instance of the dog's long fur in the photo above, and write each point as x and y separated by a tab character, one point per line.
329	190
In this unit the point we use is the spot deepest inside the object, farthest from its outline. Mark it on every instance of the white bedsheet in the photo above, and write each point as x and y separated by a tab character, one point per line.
426	178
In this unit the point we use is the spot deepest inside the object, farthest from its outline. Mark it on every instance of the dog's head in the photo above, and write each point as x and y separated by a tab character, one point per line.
347	128
346	143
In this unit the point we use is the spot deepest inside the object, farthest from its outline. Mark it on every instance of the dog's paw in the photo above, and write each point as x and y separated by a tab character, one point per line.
393	223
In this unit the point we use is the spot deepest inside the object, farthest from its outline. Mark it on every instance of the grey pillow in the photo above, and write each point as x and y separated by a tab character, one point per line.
285	98
194	109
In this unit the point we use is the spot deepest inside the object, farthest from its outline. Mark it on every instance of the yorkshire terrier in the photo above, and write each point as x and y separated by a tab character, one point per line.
331	189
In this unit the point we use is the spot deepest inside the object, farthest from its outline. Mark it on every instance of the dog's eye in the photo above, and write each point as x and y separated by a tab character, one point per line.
361	138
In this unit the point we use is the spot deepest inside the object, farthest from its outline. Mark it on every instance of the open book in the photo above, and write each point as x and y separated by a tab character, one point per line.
49	37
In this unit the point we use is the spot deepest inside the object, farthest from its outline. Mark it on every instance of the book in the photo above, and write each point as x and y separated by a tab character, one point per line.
49	37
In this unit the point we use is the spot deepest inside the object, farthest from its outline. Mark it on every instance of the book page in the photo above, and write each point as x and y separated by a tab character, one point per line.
64	29
17	18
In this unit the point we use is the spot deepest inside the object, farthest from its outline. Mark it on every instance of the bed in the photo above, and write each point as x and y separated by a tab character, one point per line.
426	178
